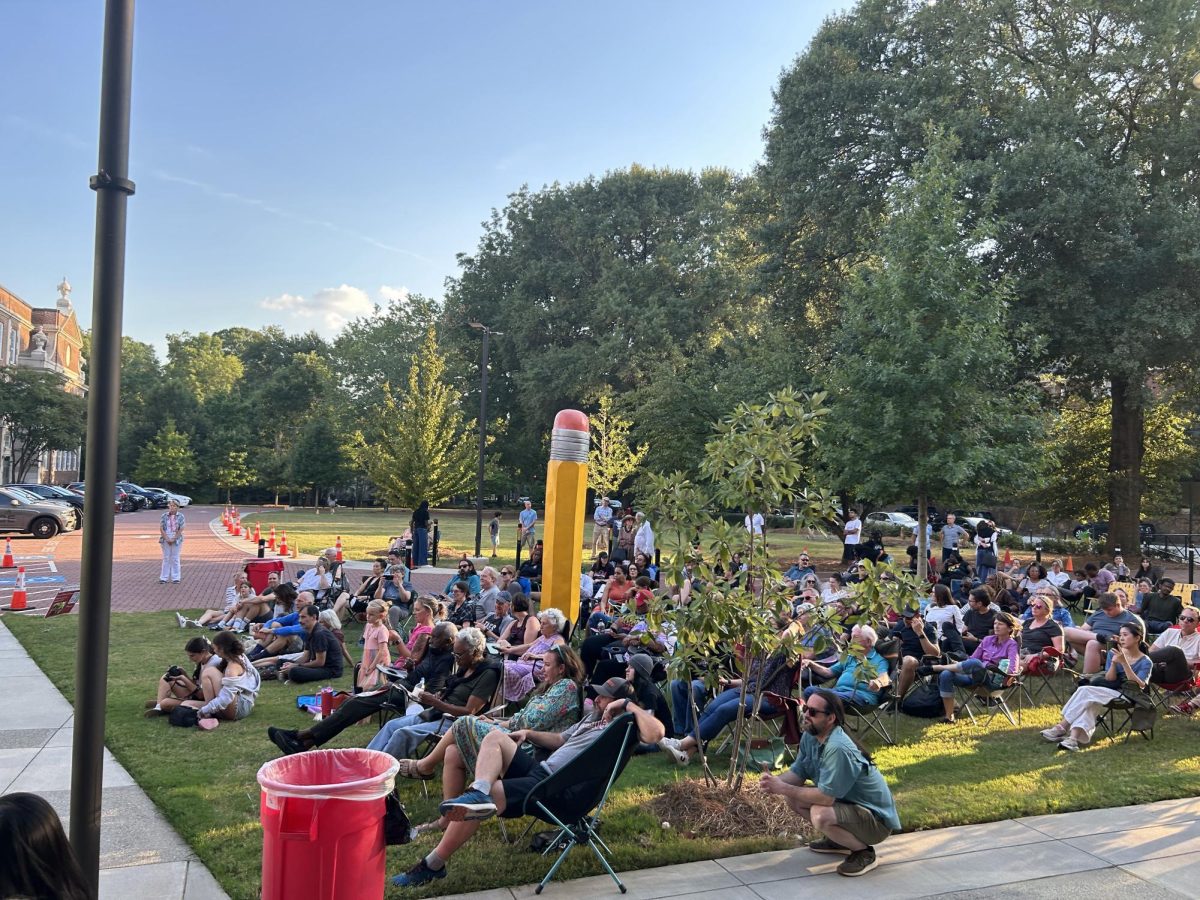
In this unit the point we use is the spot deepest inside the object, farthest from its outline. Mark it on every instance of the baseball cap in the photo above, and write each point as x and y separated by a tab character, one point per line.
614	688
643	664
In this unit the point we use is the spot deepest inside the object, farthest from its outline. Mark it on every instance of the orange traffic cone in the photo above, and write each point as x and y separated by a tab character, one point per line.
18	597
249	536
271	542
8	560
257	532
1008	559
237	527
283	550
338	548
1070	564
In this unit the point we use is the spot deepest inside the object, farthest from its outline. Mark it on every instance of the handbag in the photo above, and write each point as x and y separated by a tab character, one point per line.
397	827
987	559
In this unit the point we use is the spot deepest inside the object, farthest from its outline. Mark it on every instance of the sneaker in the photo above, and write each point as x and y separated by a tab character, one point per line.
672	743
191	623
860	862
825	845
1186	708
1054	735
680	757
418	875
154	712
162	581
181	620
469	806
1070	744
287	741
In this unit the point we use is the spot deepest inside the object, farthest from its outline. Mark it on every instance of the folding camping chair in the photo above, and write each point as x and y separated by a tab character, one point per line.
993	700
1042	676
573	798
1123	716
874	717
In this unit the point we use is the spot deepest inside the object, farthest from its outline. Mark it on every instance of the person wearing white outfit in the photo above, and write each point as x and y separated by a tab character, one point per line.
170	528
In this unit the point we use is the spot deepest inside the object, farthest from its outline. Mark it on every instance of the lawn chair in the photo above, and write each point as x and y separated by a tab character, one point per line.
573	798
1039	676
993	700
1123	716
874	717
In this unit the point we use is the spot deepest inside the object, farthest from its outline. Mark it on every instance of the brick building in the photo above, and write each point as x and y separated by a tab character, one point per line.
46	338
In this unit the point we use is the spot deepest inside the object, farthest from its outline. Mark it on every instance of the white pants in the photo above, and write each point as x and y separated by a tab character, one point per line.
170	565
1086	705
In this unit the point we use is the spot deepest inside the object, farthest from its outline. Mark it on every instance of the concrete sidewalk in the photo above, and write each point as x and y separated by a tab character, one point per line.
140	854
1135	853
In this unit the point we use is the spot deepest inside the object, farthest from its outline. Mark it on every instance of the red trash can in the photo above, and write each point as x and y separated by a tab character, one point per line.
322	820
257	571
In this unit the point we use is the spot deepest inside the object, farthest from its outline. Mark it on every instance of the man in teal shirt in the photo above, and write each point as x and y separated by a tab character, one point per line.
849	800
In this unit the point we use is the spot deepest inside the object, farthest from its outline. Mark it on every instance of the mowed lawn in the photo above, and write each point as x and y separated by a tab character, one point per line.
366	533
941	775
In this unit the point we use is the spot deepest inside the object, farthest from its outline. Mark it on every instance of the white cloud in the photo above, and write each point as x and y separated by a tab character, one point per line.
333	306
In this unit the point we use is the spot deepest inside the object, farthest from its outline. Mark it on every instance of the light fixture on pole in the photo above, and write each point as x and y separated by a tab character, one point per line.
483	369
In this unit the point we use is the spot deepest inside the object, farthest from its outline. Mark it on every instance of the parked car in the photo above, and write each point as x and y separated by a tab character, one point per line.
895	519
54	492
31	514
614	505
971	523
181	499
142	498
121	501
1098	531
75	487
936	519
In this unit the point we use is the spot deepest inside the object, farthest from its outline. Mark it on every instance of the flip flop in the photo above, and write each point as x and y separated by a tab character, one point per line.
408	769
207	724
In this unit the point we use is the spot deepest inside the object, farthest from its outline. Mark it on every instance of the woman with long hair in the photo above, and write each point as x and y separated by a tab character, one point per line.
36	862
1126	674
230	687
175	686
370	589
997	648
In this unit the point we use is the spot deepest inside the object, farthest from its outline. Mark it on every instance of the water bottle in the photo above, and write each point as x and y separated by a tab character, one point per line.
421	686
1004	666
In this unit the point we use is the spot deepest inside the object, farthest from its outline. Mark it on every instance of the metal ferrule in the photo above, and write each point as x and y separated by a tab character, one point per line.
568	445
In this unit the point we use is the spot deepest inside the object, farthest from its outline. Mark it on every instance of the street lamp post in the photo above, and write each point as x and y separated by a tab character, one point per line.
483	370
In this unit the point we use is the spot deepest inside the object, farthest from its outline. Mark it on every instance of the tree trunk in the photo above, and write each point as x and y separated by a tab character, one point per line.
1125	466
922	538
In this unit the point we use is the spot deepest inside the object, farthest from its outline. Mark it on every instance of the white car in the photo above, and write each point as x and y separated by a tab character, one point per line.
171	495
895	519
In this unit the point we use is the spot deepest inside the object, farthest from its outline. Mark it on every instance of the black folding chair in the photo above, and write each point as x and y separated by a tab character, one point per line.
573	798
873	717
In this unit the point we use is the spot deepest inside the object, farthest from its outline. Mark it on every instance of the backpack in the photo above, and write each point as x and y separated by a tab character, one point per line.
184	716
923	701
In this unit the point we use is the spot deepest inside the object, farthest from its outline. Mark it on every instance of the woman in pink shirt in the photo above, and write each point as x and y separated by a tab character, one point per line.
994	650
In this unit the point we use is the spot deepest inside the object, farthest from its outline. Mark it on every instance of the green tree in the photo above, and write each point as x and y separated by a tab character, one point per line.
317	458
40	416
380	347
233	471
202	365
923	402
1076	486
416	444
1077	125
141	412
612	458
167	459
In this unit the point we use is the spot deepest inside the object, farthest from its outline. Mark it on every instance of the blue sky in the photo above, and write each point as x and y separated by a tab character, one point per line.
298	161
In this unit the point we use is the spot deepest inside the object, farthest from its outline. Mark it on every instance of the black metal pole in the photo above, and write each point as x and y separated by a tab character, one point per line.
482	444
1191	551
113	189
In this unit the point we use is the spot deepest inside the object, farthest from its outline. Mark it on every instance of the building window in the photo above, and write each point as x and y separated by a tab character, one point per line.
13	349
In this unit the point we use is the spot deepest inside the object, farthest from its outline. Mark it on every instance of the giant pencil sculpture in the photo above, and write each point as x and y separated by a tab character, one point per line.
566	485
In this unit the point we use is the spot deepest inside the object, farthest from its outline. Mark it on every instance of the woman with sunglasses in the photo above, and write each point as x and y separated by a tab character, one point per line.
554	704
1041	633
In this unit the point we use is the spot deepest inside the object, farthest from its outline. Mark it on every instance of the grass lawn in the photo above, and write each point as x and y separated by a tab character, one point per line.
366	533
941	775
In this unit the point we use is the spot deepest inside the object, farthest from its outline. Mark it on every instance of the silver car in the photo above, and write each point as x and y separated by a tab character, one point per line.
24	512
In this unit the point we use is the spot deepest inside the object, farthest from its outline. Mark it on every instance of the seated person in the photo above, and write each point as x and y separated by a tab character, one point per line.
995	649
397	589
817	643
466	572
942	610
1162	608
1185	637
1040	630
233	594
1088	639
370	589
489	590
1057	576
835	588
859	678
524	627
1100	581
657	647
321	659
175	687
645	565
1144	589
802	567
1058	612
1126	674
614	594
497	623
555	704
602	568
468	691
979	617
425	614
314	583
917	639
1004	593
773	676
505	773
954	568
1077	589
1121	571
250	607
281	634
431	673
1034	578
509	583
1146	569
462	610
524	668
230	687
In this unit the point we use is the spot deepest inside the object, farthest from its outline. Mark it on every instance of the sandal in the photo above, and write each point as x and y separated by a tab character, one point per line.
408	769
207	724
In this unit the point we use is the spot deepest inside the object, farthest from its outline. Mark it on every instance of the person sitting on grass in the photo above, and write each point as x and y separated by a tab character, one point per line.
321	659
230	687
249	608
773	675
468	691
370	589
209	617
996	649
1126	674
506	770
523	671
175	687
431	672
554	704
1101	626
859	678
848	801
281	634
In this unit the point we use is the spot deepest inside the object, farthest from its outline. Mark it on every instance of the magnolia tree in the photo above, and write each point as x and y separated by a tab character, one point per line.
758	459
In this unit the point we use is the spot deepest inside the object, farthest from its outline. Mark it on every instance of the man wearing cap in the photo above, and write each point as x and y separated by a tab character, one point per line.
507	769
601	526
917	638
835	785
796	573
493	626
